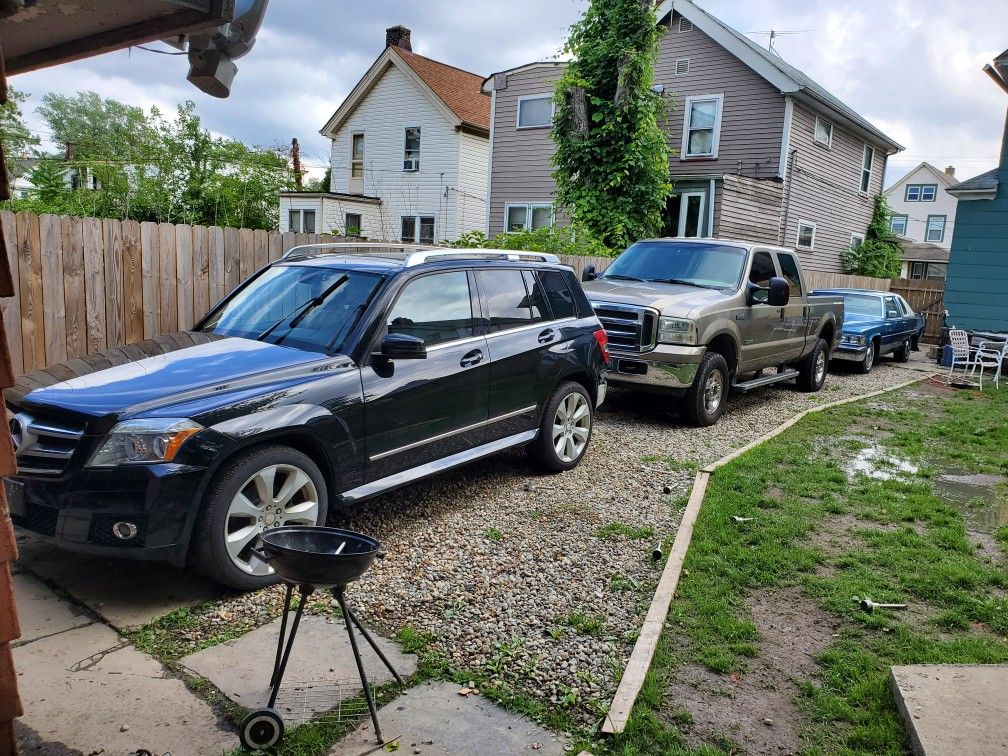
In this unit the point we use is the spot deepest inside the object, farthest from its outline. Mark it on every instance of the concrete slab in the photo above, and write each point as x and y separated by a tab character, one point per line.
88	691
944	707
434	719
127	594
41	612
241	668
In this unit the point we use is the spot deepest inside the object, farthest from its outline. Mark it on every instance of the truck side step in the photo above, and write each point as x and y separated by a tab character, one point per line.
765	380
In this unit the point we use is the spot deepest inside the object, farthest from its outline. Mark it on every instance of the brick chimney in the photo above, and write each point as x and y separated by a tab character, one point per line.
398	36
950	171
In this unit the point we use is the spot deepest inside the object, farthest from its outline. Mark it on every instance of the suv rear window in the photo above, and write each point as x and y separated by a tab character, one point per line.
559	296
508	302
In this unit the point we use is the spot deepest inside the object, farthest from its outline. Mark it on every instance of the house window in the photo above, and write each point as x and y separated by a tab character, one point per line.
823	132
856	240
921	192
301	221
806	235
682	66
528	217
702	129
418	229
685	25
935	228
357	156
352	225
932	270
866	168
411	153
535	112
898	225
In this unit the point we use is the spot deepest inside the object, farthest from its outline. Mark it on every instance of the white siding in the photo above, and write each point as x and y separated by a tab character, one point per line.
918	212
394	103
474	151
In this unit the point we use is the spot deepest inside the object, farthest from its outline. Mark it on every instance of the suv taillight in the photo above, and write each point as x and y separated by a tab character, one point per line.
603	342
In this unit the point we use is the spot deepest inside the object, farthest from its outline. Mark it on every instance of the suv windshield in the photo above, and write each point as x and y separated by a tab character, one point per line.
304	306
706	265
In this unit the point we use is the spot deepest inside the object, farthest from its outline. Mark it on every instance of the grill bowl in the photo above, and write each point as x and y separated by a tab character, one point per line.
318	556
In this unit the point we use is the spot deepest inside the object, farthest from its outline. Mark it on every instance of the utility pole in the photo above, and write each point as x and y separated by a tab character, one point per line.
296	158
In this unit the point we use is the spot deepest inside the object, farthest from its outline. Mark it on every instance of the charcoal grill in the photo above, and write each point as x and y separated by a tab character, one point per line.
308	559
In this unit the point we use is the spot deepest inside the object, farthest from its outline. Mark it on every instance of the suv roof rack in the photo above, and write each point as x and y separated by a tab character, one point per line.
413	254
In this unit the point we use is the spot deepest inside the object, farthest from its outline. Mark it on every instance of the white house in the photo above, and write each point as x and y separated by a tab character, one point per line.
410	146
923	210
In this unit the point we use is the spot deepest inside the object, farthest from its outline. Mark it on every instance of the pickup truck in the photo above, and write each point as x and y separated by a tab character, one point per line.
695	318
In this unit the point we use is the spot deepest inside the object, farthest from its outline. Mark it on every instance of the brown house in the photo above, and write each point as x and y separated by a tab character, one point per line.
762	151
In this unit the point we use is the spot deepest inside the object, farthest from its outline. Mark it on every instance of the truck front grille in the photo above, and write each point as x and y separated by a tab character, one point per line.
43	447
629	328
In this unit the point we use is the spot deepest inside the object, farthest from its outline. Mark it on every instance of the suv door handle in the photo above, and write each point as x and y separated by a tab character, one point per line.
545	337
469	359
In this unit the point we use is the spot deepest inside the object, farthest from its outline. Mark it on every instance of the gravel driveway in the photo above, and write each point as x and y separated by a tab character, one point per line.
541	582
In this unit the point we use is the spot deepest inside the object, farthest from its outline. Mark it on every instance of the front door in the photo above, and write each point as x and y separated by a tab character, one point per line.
684	214
758	323
420	410
793	328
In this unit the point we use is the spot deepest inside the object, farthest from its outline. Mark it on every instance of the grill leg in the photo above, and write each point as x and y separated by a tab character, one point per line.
283	633
371	642
304	591
360	665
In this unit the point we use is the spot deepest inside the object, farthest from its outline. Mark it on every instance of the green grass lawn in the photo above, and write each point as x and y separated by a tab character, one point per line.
831	535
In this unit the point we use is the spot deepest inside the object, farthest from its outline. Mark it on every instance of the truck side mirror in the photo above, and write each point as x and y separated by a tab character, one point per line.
780	292
589	273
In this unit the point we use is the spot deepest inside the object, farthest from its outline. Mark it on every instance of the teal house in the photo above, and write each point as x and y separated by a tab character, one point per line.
976	290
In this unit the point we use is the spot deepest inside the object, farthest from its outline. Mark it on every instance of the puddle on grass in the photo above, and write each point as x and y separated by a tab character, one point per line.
875	462
979	496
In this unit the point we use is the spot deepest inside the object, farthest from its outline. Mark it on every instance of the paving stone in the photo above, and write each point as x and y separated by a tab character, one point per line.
87	690
126	593
41	612
944	707
241	668
434	719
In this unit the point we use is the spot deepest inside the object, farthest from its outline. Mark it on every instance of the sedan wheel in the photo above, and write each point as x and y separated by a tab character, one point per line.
869	359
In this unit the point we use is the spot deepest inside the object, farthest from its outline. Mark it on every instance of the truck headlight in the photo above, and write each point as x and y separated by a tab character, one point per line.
676	331
144	442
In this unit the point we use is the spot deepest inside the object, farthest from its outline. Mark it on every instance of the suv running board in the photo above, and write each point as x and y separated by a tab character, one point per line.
765	380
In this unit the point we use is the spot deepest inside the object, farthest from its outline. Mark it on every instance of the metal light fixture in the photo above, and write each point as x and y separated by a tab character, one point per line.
212	52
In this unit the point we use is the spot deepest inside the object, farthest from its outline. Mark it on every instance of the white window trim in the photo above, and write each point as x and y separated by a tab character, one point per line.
686	20
300	216
419	151
927	228
528	214
350	162
535	97
871	170
906	223
683	204
859	237
416	228
687	113
675	70
828	144
798	234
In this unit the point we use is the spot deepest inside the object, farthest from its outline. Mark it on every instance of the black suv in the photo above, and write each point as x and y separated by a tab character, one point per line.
334	374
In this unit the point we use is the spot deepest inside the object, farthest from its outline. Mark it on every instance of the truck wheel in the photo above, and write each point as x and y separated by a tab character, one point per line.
812	371
263	488
565	429
903	353
865	366
705	400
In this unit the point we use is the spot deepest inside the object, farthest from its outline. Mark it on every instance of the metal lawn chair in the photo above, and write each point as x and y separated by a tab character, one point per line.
989	354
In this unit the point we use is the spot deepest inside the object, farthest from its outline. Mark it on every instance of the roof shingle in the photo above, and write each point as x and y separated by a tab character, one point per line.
460	90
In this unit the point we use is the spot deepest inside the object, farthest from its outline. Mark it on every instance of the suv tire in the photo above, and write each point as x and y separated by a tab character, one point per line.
705	400
567	424
903	353
812	370
233	507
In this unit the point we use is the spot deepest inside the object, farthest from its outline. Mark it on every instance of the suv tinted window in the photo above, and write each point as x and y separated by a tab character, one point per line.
435	308
762	269
789	269
507	300
559	296
537	299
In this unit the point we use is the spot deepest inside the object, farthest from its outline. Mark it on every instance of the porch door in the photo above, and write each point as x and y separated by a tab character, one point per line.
684	215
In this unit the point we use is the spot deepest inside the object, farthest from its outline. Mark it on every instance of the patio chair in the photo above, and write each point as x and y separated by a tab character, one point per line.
961	354
989	354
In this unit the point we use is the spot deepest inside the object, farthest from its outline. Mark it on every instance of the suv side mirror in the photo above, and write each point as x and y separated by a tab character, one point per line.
589	273
402	346
780	292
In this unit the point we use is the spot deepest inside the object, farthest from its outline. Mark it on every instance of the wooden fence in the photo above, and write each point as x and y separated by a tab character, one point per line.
926	297
82	285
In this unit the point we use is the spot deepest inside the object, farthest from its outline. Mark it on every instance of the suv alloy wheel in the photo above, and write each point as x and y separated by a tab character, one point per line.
565	429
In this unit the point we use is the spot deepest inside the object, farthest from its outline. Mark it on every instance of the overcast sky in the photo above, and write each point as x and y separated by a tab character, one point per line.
912	67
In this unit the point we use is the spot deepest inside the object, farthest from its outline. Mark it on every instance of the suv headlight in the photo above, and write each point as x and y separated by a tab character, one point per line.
676	331
144	442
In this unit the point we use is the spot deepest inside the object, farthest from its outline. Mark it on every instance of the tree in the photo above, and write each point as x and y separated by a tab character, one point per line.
18	140
880	255
612	157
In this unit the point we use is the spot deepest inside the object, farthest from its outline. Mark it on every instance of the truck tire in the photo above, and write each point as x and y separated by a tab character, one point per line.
903	353
705	400
236	511
812	370
565	429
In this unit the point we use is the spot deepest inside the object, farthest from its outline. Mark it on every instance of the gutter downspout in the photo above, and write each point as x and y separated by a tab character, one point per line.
792	157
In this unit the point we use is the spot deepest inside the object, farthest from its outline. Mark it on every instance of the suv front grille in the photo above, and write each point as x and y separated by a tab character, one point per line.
629	328
42	447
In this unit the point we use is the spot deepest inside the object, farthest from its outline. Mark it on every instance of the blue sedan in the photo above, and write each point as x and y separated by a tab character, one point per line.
875	323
